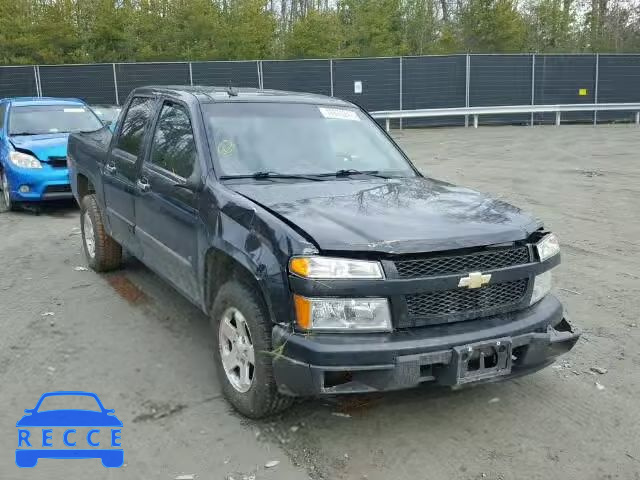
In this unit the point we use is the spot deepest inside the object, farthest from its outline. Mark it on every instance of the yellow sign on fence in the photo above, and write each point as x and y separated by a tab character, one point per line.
583	92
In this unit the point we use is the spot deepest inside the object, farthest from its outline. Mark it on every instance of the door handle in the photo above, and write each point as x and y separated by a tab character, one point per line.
143	185
110	167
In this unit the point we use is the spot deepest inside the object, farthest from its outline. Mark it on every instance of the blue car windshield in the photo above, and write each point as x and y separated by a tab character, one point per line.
43	119
299	139
69	402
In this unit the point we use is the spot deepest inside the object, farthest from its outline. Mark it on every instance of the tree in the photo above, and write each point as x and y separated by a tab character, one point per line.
421	32
317	35
372	27
492	26
248	30
551	26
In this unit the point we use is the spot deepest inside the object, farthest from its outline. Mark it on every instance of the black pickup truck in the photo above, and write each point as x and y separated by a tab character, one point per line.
327	263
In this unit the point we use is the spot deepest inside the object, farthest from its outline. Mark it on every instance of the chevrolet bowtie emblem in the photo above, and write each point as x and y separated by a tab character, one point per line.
475	280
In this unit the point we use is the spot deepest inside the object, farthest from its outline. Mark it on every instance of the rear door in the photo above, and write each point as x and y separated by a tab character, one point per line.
166	210
120	172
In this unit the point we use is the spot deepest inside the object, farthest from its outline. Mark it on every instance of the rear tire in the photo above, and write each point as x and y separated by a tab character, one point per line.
103	252
261	398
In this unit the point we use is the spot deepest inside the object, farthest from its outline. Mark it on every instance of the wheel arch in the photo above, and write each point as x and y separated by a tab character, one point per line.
84	186
220	266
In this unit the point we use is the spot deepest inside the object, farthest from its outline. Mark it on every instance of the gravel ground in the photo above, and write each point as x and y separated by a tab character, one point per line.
133	340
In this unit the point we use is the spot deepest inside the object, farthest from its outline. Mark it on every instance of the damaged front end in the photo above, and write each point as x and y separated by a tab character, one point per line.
487	350
453	318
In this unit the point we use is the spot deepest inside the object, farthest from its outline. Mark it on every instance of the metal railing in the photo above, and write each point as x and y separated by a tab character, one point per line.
389	115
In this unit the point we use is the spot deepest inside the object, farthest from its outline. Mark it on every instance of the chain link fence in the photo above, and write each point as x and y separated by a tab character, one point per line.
393	83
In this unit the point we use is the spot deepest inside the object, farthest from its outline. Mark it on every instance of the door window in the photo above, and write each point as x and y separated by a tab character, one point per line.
134	125
173	148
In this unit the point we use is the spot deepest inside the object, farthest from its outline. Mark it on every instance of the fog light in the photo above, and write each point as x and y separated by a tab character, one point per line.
24	189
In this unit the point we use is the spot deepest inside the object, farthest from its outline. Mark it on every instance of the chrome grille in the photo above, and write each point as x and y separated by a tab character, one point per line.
453	305
478	261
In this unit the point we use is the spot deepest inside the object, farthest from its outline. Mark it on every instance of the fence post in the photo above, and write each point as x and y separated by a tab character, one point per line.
35	78
115	83
467	83
331	74
595	93
260	78
190	75
400	91
533	85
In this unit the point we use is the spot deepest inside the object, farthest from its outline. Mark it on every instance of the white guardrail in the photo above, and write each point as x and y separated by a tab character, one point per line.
388	115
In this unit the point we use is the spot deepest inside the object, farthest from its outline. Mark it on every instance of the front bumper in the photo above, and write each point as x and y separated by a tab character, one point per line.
359	363
46	183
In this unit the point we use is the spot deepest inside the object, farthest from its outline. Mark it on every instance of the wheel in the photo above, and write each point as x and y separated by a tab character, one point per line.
103	252
6	204
26	459
242	331
112	459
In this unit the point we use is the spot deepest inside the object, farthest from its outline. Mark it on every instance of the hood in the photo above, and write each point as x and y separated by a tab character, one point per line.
42	146
407	215
69	418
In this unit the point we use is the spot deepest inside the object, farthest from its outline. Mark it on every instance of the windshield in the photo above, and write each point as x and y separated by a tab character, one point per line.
299	139
69	402
42	119
106	114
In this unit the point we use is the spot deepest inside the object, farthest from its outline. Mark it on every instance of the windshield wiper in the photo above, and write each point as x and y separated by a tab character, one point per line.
268	175
16	134
347	172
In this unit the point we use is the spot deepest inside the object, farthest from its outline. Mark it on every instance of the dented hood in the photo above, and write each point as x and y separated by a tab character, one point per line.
42	146
392	216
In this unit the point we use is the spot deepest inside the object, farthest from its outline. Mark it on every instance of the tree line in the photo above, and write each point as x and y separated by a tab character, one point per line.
86	31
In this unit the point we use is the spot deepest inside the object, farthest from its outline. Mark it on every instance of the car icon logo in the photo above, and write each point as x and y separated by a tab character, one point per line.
68	433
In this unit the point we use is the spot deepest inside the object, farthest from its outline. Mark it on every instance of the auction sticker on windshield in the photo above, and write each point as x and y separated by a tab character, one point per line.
82	428
339	114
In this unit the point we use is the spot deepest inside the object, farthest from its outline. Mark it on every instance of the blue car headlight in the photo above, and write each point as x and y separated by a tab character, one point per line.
24	160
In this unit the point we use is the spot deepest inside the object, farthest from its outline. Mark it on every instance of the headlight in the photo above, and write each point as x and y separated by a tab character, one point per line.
347	314
335	268
541	286
24	160
548	247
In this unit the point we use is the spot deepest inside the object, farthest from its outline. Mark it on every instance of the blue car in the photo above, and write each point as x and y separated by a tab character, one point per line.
36	431
33	147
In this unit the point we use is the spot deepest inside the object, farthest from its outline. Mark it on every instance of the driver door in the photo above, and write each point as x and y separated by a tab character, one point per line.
166	208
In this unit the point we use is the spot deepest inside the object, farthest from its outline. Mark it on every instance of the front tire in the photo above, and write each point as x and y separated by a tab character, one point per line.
103	252
242	331
6	203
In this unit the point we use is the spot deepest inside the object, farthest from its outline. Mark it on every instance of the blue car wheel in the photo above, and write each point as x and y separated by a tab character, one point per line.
6	203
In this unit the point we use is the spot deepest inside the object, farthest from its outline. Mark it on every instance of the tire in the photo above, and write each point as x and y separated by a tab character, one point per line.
6	204
261	398
106	253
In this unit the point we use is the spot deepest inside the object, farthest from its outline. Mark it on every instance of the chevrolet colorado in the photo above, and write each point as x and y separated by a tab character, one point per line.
325	260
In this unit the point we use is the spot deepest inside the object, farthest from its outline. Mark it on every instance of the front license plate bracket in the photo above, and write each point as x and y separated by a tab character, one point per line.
482	360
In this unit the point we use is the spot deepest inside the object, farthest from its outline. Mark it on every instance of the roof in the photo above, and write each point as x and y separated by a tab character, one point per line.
206	94
26	101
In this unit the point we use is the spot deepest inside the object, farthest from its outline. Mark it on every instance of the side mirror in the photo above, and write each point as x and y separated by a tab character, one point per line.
107	123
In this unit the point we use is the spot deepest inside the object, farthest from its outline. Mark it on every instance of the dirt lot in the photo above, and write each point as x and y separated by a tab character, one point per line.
146	352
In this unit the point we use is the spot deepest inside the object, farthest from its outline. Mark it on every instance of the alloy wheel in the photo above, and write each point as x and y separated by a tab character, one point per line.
89	235
236	350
